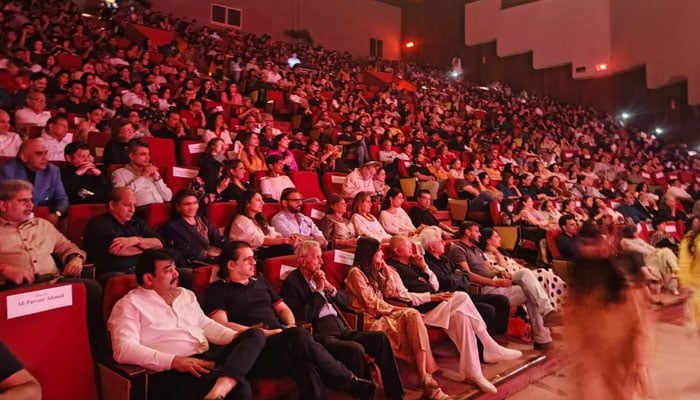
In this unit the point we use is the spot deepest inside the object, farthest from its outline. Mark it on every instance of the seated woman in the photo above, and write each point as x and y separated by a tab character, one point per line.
335	227
554	286
660	238
568	207
233	181
249	225
312	160
403	326
492	168
549	210
196	239
251	155
509	188
661	264
362	219
395	219
379	182
216	128
487	184
208	183
280	147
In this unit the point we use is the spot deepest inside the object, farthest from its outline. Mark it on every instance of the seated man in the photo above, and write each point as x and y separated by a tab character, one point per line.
361	180
453	276
272	185
474	190
421	215
353	142
142	177
290	221
312	298
33	114
82	180
240	300
33	166
426	180
520	287
28	247
9	141
453	312
160	326
115	240
56	137
568	242
629	210
15	381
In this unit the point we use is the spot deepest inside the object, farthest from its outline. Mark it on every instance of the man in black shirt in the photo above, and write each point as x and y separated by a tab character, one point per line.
74	103
568	242
241	300
115	240
82	180
421	215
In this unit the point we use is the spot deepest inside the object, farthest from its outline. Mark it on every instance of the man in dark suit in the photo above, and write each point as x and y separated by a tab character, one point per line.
312	298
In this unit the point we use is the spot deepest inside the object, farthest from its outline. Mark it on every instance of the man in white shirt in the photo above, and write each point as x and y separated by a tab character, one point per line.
290	221
34	113
387	153
272	185
160	326
9	141
142	177
361	180
56	137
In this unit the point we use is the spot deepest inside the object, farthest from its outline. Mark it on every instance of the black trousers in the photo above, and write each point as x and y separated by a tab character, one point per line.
234	360
495	310
350	347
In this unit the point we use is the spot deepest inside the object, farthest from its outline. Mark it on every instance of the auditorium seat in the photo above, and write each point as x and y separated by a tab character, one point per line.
162	151
307	184
191	151
178	178
220	214
53	343
157	214
97	142
78	217
333	182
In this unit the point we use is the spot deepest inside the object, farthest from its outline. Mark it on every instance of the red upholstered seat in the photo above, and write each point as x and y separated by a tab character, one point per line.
220	214
201	279
192	151
552	244
178	178
307	184
157	214
162	151
97	142
47	340
276	269
270	209
333	182
77	219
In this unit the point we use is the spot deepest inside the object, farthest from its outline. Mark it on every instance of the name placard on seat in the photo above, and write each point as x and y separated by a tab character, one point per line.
343	257
285	270
37	301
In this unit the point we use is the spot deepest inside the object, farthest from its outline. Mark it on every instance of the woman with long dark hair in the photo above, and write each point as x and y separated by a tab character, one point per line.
249	225
403	325
216	128
280	146
393	217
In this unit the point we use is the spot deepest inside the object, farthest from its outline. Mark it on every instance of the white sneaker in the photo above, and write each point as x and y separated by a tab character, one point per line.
501	354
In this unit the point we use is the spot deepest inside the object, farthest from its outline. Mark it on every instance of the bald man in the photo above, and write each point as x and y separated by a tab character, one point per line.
115	240
33	166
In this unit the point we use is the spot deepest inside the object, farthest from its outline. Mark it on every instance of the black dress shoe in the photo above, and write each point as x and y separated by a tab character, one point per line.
361	388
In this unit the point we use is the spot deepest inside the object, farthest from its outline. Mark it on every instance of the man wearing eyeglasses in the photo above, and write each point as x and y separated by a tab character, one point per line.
291	222
34	113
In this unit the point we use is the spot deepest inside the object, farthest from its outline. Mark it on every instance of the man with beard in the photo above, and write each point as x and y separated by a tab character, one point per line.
291	222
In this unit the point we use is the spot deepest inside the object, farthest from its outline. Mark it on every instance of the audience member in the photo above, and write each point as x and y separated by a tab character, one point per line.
142	177
9	141
32	165
274	184
82	180
291	222
361	180
16	382
568	241
240	300
362	219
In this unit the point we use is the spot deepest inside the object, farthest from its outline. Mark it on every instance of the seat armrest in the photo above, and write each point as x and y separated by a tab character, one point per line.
88	271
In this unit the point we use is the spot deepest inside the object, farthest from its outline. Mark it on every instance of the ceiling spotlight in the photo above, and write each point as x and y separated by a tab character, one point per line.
625	115
659	131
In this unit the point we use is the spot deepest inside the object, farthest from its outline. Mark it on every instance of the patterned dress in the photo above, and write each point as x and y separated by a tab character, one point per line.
403	326
555	287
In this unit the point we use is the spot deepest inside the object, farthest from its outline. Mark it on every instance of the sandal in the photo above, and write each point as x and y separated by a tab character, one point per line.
438	394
